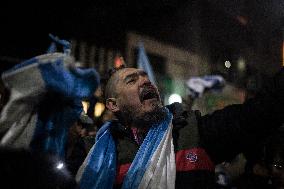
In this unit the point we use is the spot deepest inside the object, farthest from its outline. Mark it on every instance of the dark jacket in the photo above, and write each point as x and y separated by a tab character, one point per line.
203	141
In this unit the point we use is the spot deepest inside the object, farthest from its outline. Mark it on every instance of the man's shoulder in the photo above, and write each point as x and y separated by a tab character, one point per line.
182	115
185	126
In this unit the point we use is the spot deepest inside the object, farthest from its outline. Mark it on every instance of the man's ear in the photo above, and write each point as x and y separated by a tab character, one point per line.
112	105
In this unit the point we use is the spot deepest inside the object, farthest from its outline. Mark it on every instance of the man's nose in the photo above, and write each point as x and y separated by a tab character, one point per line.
144	80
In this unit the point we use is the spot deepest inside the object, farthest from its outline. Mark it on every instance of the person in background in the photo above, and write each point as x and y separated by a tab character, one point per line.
265	169
80	139
46	92
45	98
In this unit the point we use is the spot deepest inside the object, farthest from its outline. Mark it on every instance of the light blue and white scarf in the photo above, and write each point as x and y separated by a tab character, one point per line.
153	166
30	119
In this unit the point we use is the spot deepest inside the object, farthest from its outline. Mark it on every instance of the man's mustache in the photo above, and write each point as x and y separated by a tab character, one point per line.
148	91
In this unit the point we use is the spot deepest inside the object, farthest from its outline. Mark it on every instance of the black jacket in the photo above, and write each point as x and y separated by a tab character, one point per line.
203	141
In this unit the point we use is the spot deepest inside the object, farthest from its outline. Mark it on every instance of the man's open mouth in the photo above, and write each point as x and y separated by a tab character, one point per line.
147	93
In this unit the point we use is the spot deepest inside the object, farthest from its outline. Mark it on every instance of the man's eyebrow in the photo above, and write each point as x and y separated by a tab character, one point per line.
135	74
143	73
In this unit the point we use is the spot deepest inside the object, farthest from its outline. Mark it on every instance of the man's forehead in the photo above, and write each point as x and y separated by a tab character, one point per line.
122	74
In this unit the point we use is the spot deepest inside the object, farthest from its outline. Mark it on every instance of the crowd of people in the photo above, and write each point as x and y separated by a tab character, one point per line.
47	141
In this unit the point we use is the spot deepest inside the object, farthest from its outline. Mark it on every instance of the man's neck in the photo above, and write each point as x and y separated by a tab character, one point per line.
139	134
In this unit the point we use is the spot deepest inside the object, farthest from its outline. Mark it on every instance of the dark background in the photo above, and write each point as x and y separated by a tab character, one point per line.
224	27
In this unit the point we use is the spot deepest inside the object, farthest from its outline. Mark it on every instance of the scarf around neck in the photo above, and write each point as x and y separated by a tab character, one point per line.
153	166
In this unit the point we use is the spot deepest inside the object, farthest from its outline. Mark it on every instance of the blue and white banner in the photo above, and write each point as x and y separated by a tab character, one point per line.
46	93
198	85
153	166
144	63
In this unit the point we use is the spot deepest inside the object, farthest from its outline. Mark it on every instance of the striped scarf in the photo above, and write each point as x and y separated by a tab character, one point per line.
152	167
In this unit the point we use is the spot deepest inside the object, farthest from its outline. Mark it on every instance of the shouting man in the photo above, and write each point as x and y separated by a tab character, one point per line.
149	145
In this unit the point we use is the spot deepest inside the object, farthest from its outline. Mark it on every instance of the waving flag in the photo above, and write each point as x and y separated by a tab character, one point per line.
198	85
143	63
153	166
45	100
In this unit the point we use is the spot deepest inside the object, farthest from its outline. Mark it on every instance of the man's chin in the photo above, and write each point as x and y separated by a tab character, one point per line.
151	104
153	116
151	112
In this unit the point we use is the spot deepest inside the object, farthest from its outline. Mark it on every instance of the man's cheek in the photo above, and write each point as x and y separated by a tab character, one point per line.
133	99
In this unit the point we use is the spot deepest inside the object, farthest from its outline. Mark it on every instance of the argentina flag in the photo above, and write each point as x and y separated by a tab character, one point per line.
144	63
198	85
46	94
153	166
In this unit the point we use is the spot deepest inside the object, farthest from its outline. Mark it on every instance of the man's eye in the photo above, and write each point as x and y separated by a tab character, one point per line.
130	81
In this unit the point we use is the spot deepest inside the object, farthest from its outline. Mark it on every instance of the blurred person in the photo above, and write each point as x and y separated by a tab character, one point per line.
256	175
149	145
45	100
80	139
248	169
265	169
229	171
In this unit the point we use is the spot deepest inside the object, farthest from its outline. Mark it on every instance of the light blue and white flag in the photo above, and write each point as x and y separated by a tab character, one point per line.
153	166
198	85
144	63
46	93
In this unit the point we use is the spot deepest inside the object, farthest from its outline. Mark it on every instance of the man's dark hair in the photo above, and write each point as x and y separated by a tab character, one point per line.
109	90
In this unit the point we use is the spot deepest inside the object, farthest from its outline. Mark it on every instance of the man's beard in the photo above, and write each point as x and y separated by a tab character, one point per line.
145	120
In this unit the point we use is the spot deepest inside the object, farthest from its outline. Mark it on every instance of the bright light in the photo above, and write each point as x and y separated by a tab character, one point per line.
227	64
60	165
99	108
118	61
85	106
175	98
241	64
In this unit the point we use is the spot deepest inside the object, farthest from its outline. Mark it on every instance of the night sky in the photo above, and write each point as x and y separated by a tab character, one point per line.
25	26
